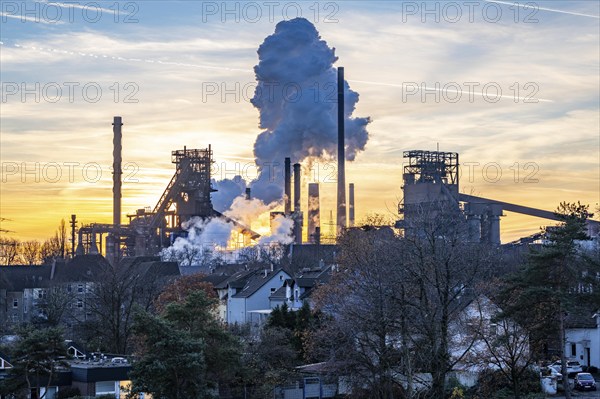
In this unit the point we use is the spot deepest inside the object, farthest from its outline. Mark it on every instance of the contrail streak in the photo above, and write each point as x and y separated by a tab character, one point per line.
222	68
25	18
534	6
95	6
116	58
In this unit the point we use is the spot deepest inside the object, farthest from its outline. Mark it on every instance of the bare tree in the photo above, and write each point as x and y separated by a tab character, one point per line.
443	266
62	236
55	305
10	253
116	292
500	342
50	249
362	340
56	246
394	300
31	252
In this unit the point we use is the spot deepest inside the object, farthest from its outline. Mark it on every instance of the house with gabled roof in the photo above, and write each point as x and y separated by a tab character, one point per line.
4	362
248	295
75	350
582	336
297	290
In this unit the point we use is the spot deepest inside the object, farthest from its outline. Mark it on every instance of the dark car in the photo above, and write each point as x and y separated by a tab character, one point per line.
584	381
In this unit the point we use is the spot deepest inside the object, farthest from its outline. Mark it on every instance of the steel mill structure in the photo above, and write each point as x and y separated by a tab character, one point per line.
431	183
148	231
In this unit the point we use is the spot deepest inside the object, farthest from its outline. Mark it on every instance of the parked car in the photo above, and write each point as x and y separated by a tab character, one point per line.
573	367
584	381
553	371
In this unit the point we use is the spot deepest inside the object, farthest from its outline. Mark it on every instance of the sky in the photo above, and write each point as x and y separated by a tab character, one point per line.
514	89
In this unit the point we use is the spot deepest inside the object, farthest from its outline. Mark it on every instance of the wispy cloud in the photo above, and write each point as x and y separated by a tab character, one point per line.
478	93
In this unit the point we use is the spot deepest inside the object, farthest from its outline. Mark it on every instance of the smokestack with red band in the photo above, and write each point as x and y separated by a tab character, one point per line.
288	186
351	205
314	212
341	184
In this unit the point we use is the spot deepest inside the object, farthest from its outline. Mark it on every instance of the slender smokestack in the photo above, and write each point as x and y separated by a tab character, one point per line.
341	187
297	212
296	187
73	223
314	212
117	135
351	205
248	194
288	186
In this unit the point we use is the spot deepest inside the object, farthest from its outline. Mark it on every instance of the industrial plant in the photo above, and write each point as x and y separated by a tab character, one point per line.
430	179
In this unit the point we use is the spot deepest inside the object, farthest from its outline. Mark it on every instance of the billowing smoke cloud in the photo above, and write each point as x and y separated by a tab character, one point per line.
204	237
227	191
207	239
296	96
281	231
246	211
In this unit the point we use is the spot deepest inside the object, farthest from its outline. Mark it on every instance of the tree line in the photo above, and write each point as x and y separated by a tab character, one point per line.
400	313
35	252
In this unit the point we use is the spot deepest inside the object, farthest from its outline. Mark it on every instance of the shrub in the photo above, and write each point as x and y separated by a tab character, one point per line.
493	384
68	392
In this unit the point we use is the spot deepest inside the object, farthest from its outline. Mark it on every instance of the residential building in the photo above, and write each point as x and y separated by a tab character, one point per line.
582	337
248	295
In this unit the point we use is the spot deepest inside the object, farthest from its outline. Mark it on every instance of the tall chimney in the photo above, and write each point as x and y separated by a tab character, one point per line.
73	223
351	205
288	186
296	187
117	135
297	212
314	212
341	183
248	194
113	240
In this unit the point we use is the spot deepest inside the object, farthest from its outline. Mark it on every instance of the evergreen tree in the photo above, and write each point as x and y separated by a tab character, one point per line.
184	351
36	360
171	365
541	295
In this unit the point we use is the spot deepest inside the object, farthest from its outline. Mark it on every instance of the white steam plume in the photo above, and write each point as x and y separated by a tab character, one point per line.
296	96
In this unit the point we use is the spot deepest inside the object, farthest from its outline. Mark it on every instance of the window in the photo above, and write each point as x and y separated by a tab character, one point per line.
273	290
573	350
79	303
69	288
80	288
105	387
296	295
15	303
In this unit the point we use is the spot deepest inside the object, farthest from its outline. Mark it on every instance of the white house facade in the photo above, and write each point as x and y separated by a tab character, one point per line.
583	344
248	298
